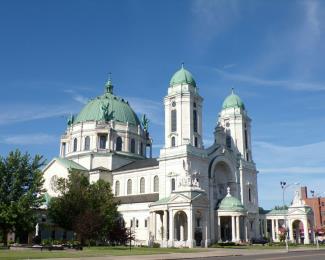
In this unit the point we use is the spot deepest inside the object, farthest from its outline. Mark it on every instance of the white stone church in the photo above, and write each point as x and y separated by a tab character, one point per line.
190	195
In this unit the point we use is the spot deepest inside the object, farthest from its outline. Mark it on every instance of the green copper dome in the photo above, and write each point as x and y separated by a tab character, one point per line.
233	100
182	76
230	203
107	107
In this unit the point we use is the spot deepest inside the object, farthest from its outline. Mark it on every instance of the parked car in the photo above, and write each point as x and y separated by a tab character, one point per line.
261	241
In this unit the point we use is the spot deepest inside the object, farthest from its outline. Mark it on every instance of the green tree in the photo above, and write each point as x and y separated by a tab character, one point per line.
21	192
87	209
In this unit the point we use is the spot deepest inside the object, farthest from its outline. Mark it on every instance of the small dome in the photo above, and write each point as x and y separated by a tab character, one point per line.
233	100
182	76
107	107
230	203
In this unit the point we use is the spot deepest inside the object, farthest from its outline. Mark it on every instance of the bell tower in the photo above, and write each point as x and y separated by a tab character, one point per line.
183	111
234	120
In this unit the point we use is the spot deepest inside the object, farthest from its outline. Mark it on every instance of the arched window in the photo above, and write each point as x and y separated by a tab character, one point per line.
156	184
117	188
173	144
132	146
129	187
195	142
173	120
142	185
173	184
249	195
194	121
102	141
75	144
87	143
118	143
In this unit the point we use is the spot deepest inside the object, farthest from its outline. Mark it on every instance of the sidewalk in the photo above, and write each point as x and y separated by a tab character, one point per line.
211	252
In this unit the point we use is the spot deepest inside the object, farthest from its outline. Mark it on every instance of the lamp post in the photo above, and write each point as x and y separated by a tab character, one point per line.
284	186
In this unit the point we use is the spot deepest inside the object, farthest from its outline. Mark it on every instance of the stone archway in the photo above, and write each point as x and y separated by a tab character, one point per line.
298	231
181	227
223	176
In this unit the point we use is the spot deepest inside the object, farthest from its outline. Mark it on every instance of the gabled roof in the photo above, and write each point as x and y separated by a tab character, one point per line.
138	164
68	164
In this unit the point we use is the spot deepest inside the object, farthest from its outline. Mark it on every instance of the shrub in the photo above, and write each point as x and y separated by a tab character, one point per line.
156	245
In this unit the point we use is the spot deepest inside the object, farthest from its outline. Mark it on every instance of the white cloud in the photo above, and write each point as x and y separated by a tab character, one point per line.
16	113
29	139
256	81
289	159
153	109
213	17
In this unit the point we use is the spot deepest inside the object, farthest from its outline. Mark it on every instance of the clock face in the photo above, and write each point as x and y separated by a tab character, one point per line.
54	183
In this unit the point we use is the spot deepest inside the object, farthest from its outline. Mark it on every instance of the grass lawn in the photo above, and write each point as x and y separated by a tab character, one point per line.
273	246
91	251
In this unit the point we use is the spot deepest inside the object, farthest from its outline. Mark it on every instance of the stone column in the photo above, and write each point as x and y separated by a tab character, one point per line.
219	229
233	229
171	227
290	232
272	231
165	228
306	234
237	228
190	228
154	225
276	229
246	229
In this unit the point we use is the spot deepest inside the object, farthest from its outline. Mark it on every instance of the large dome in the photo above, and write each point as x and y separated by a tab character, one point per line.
233	100
182	76
107	107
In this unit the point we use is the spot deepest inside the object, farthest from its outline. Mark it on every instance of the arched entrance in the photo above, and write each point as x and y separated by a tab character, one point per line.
180	220
298	231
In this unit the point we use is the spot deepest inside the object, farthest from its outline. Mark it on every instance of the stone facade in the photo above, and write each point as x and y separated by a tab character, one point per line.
175	199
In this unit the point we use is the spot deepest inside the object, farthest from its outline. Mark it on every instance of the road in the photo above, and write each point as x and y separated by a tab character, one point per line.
311	255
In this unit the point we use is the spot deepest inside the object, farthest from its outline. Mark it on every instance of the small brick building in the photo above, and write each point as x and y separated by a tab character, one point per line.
318	206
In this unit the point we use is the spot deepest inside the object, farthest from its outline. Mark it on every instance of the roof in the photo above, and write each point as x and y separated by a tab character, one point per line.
233	100
182	76
230	203
69	164
107	107
151	197
138	164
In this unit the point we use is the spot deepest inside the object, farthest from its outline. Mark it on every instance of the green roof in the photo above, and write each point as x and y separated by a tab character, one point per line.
107	107
69	164
233	100
230	203
182	76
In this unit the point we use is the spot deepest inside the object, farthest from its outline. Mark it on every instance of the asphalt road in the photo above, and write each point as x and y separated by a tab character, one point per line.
310	255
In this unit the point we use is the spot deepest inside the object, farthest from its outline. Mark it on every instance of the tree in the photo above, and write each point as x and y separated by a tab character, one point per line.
87	209
21	192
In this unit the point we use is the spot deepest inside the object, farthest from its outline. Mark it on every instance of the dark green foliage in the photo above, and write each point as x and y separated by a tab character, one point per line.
88	209
21	191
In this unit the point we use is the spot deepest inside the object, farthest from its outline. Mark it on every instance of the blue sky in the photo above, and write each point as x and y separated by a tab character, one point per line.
55	55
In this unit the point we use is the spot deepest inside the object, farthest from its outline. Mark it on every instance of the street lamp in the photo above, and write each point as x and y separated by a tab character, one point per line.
284	186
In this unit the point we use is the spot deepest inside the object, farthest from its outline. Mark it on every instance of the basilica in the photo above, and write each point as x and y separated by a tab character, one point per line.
190	195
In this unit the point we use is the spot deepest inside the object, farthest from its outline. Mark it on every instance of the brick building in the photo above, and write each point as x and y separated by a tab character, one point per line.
318	206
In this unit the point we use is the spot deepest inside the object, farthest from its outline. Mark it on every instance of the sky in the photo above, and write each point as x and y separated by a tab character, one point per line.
55	55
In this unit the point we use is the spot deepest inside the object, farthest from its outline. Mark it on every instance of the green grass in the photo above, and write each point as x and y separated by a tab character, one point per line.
270	246
91	251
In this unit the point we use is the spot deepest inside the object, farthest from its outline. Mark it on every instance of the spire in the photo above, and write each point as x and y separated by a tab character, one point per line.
182	65
232	90
109	85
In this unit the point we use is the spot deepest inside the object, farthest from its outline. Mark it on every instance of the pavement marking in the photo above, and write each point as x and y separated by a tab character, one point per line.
288	257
